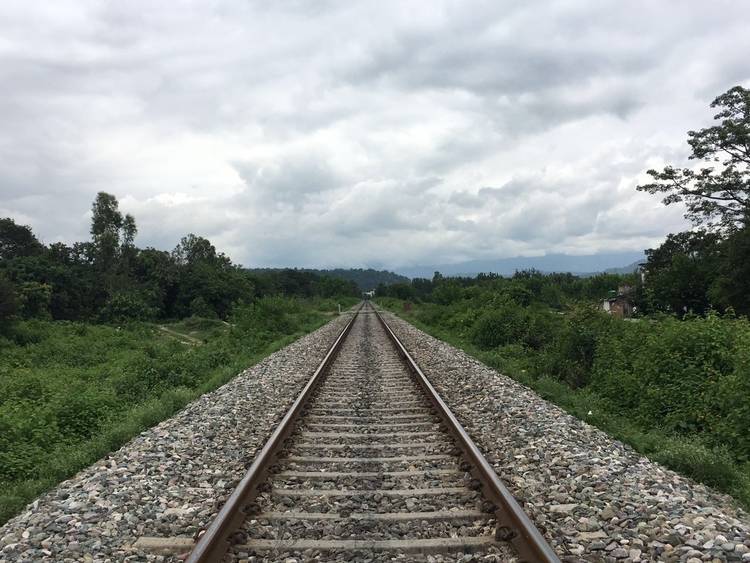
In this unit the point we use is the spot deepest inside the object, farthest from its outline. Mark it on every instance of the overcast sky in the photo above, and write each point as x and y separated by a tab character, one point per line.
349	133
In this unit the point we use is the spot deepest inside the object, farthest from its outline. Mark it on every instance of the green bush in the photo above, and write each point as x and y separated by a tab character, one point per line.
506	324
571	351
676	389
70	393
82	412
679	375
126	306
199	308
713	466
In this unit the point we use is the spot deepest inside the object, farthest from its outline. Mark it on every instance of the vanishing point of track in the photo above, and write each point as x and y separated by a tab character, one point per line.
369	463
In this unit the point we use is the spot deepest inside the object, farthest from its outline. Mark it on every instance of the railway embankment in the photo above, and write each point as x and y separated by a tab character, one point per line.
596	498
170	480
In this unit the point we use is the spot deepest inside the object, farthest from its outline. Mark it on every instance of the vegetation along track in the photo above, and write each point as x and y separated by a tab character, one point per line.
369	464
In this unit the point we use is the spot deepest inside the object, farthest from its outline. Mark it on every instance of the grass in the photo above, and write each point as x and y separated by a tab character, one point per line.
195	330
70	393
690	456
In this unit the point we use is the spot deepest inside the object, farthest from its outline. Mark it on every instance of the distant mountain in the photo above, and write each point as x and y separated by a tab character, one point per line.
585	264
629	269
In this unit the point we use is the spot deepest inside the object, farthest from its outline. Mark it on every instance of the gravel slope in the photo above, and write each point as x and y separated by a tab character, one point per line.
169	480
596	498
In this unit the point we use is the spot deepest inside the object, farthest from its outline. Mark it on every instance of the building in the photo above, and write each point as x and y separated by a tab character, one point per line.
620	303
619	306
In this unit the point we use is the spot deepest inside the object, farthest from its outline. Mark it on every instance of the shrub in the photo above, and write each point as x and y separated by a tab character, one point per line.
126	306
728	414
81	412
92	387
570	352
447	292
713	466
685	376
505	325
199	308
35	299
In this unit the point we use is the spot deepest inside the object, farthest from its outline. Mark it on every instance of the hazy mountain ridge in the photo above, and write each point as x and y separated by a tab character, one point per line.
582	265
629	269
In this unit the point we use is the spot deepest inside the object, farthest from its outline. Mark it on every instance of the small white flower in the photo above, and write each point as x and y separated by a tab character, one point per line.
589	413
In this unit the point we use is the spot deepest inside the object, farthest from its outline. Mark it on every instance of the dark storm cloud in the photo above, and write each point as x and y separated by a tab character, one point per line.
331	133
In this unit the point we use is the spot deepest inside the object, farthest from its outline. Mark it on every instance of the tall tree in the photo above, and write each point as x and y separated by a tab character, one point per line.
106	221
129	230
193	249
717	195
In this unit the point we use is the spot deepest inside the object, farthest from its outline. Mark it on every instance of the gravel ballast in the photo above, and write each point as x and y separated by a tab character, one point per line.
170	480
594	498
314	510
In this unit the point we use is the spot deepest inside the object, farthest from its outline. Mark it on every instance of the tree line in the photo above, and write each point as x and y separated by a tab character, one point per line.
692	272
109	279
366	279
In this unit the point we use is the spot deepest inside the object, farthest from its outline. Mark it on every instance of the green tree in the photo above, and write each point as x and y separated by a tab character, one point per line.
680	272
126	305
209	275
717	195
35	299
111	232
193	249
8	303
17	240
731	286
158	274
106	221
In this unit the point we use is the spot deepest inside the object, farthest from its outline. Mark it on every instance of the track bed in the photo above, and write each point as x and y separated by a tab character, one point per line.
367	467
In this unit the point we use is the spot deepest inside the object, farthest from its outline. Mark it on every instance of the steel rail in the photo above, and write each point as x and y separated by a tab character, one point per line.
214	543
515	525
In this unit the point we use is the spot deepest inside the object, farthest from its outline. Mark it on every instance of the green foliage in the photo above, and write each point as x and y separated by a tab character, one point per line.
71	392
112	234
199	308
698	270
355	280
731	284
718	194
713	466
679	376
8	304
123	306
572	345
110	280
35	299
403	291
505	324
447	292
675	389
17	240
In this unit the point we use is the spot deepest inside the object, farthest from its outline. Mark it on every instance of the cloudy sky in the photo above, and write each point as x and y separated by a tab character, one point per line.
327	133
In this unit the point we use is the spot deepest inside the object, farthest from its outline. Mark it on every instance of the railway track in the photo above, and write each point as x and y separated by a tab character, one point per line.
370	465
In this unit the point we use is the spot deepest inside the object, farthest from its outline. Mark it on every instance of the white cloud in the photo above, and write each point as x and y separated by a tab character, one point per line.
382	133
